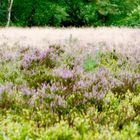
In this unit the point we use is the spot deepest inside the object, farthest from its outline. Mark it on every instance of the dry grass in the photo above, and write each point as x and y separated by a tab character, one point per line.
125	40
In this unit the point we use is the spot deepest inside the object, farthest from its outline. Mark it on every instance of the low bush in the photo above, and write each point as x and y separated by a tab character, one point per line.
44	96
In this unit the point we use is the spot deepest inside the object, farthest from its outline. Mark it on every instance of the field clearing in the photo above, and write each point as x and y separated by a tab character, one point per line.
124	40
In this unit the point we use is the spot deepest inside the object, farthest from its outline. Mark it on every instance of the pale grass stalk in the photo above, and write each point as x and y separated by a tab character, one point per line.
124	40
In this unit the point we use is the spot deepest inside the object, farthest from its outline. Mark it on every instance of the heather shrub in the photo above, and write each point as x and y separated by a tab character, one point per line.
37	57
129	81
68	61
10	73
113	61
7	96
53	94
109	59
116	69
36	67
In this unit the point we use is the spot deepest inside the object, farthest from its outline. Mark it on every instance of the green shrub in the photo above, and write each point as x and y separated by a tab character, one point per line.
49	14
133	18
10	73
90	64
14	127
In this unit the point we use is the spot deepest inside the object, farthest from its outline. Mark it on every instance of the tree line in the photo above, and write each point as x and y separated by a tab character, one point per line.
64	13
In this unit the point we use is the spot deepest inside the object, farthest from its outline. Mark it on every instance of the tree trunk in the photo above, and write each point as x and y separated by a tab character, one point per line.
10	3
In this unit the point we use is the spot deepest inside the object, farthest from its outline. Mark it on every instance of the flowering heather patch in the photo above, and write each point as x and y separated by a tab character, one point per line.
64	73
7	97
130	81
63	92
37	56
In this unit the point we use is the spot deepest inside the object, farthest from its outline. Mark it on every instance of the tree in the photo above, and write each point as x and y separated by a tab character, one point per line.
10	4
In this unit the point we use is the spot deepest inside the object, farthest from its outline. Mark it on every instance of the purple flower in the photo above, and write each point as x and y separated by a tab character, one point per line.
37	55
26	92
53	87
43	54
89	95
81	84
6	88
101	95
44	87
64	73
2	90
120	62
58	102
26	61
95	89
104	81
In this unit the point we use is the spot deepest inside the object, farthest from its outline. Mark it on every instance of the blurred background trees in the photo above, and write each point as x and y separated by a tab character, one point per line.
77	13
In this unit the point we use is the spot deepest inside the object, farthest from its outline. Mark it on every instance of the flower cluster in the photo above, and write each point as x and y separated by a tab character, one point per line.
36	56
64	73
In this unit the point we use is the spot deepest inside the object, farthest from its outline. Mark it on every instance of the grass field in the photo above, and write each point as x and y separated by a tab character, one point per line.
69	84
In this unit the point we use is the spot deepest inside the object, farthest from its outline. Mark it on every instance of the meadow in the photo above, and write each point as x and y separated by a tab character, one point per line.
70	83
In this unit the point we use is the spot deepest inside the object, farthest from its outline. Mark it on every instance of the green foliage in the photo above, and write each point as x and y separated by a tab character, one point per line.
90	64
22	14
61	132
15	130
133	18
71	13
90	18
50	14
3	13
